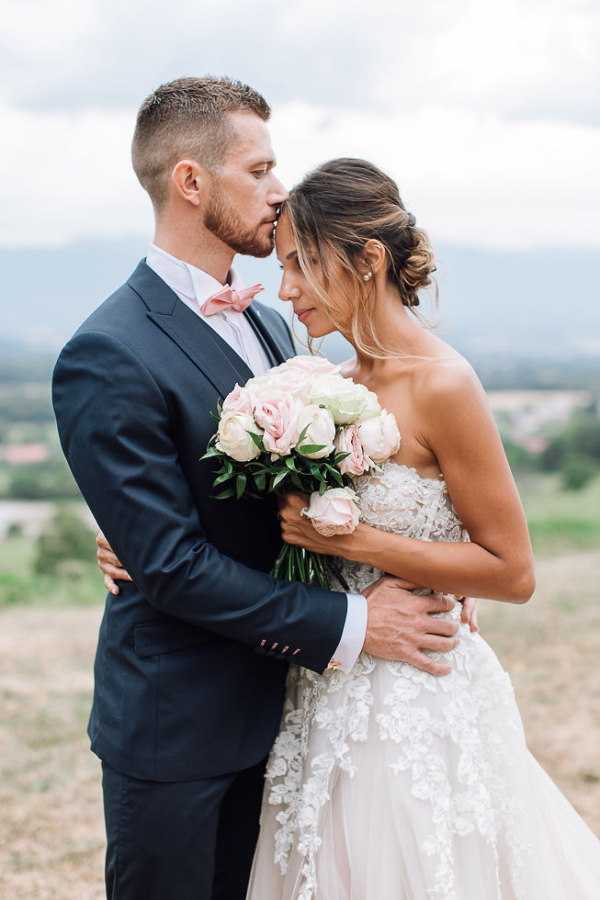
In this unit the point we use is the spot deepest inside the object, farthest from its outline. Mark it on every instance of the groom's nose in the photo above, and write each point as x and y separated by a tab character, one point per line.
277	194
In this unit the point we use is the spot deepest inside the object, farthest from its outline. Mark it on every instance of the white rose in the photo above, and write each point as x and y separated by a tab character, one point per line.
380	437
345	400
372	407
320	430
233	438
334	512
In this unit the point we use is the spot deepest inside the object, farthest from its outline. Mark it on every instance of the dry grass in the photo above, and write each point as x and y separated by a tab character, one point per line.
51	831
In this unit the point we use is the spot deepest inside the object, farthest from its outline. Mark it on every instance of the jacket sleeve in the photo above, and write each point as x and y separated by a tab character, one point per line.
115	430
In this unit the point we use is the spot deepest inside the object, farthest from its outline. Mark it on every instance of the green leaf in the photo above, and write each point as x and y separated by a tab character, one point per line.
226	476
311	448
212	451
260	481
258	440
279	478
339	457
336	475
228	466
240	486
323	488
302	434
289	461
225	495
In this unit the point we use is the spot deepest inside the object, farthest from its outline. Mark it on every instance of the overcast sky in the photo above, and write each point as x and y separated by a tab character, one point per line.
486	112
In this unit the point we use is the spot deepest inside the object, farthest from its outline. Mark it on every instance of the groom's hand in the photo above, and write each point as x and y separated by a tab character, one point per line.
401	625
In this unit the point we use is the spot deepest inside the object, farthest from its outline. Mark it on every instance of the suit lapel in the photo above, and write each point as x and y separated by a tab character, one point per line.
200	343
268	342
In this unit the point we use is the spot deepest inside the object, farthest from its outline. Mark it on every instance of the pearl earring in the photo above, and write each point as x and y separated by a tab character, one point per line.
368	276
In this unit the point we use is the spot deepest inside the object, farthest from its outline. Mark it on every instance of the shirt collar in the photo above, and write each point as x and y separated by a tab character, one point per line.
185	279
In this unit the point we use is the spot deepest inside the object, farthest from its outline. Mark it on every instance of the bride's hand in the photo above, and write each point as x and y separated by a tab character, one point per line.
110	565
297	530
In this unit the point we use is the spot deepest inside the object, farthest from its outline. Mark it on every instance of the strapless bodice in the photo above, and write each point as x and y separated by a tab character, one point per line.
398	499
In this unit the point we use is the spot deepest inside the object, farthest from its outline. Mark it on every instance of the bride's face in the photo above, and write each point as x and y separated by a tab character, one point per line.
294	287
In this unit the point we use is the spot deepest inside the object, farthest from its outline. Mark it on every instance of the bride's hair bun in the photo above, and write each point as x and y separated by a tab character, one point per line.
411	257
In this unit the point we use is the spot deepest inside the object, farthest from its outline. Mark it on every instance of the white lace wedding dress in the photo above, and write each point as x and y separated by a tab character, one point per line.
390	784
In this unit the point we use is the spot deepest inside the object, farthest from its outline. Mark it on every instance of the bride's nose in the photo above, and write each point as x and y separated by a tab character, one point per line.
287	291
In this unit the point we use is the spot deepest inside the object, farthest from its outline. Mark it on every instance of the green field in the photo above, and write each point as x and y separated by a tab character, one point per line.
78	585
559	520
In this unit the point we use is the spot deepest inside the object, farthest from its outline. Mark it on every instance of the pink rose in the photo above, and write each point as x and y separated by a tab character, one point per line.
279	418
334	512
380	437
239	400
348	441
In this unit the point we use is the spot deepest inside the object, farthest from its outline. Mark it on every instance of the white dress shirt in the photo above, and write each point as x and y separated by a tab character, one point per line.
193	286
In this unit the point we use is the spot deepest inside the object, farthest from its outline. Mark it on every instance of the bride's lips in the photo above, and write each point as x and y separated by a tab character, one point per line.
304	313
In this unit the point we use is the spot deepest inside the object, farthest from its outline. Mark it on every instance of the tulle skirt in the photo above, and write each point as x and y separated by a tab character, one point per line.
389	784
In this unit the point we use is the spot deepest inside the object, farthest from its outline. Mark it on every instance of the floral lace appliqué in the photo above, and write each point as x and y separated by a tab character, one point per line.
325	715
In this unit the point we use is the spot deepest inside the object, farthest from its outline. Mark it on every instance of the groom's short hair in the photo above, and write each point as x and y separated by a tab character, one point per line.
187	118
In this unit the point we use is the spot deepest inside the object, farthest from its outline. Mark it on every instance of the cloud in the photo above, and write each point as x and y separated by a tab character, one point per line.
486	113
517	59
66	176
470	178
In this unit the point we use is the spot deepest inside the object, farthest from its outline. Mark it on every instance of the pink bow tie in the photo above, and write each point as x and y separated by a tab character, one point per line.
227	298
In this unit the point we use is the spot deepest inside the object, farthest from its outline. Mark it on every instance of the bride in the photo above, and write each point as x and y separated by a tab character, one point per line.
388	783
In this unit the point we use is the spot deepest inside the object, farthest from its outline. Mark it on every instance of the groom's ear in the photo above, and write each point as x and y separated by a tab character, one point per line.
189	180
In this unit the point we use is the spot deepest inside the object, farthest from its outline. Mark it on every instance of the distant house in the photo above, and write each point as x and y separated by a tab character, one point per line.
529	417
24	454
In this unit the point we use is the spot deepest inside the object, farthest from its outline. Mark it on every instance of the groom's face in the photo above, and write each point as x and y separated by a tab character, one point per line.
244	194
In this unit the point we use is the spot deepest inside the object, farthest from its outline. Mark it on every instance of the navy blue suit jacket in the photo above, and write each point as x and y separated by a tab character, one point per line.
187	684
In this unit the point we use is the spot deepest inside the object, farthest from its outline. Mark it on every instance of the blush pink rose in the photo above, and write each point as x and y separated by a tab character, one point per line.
238	400
279	418
348	441
334	512
310	365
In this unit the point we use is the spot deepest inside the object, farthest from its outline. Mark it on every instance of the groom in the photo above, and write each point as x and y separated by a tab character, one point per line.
192	656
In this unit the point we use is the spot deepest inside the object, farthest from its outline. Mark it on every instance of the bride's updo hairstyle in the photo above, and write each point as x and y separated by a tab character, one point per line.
333	212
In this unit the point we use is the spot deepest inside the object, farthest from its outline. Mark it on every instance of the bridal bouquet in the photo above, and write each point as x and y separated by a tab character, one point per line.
302	426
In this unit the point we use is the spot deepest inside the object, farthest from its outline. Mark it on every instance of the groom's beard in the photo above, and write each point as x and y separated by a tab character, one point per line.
225	223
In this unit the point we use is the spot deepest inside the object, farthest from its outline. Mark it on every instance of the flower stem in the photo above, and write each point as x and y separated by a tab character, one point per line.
298	564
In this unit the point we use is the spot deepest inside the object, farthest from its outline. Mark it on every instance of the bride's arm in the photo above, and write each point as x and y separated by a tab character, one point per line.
461	432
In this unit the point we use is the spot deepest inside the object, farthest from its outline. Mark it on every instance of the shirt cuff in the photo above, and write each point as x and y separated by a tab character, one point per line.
353	635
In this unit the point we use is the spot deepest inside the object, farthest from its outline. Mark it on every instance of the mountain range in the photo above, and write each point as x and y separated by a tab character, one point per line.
533	305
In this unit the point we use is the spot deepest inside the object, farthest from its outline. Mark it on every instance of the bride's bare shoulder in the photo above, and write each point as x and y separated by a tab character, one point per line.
447	378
